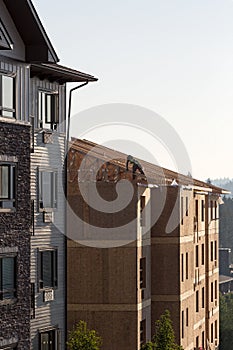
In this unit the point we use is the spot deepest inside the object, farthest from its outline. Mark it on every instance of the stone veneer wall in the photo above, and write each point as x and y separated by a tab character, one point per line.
15	236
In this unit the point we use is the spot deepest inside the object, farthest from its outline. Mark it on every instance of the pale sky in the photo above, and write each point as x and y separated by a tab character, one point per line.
174	57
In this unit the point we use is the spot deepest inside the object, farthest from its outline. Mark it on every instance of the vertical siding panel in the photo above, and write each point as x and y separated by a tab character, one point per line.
22	89
49	156
18	96
25	73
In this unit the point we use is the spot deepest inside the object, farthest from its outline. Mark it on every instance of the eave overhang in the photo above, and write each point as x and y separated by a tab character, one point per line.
60	74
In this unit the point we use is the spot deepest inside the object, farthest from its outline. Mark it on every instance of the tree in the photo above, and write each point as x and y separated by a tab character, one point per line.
148	346
82	338
226	322
164	338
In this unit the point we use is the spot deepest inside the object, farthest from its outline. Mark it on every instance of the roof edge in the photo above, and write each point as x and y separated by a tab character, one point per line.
43	31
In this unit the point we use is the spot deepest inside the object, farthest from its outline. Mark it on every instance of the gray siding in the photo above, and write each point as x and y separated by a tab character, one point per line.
18	51
48	235
22	74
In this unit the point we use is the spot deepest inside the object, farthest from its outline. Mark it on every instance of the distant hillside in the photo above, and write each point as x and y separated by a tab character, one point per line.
226	215
225	183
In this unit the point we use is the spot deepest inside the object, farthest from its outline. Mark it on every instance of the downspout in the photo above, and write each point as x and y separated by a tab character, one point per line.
69	114
66	196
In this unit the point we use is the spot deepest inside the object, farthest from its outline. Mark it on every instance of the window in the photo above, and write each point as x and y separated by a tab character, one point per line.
202	254
212	292
182	210
182	328
203	339
7	278
48	110
142	210
197	343
215	290
197	301
212	332
202	210
187	206
33	304
142	332
212	251
47	189
211	210
196	209
48	269
203	297
7	186
215	250
182	267
7	96
143	273
187	266
187	317
197	256
48	340
216	329
215	210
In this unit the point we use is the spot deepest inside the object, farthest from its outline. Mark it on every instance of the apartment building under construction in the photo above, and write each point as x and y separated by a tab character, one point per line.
166	257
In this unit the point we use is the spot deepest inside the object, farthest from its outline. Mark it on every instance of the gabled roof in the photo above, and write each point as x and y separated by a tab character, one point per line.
31	30
155	174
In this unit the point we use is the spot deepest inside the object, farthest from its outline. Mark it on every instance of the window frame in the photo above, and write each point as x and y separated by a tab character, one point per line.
203	254
182	324
142	273
52	335
202	210
143	210
187	265
197	301
10	290
142	332
53	269
43	110
53	190
12	188
182	267
197	255
7	109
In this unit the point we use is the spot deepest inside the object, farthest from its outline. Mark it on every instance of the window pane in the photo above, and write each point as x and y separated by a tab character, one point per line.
47	269
55	190
48	118
4	182
47	189
7	92
8	277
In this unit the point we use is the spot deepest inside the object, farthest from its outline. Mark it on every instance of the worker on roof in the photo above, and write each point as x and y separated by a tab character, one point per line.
136	165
